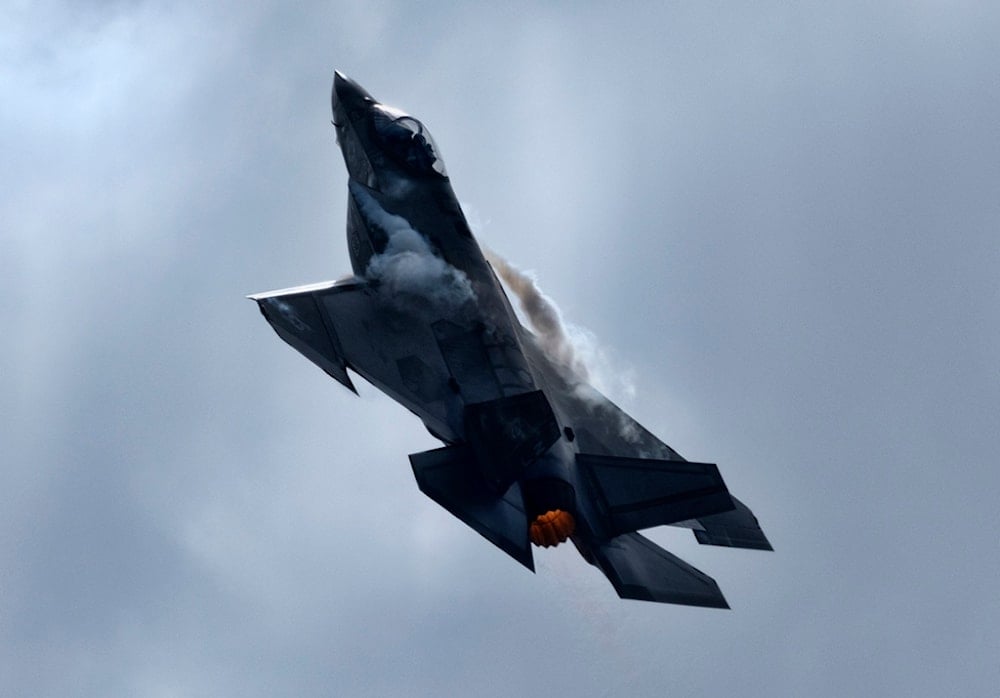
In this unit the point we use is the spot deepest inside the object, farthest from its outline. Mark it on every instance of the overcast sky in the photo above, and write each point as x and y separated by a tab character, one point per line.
780	224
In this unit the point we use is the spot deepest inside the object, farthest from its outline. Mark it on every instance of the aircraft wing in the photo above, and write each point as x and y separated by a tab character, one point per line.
340	325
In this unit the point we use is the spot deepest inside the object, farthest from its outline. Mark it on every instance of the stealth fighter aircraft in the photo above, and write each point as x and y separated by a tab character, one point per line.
532	454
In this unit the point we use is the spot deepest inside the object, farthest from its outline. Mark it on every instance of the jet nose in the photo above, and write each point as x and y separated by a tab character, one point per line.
347	96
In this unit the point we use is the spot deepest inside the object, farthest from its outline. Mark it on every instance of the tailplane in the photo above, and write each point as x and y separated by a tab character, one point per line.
637	493
451	478
640	569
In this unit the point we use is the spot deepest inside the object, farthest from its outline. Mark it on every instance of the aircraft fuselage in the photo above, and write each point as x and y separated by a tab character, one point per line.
533	453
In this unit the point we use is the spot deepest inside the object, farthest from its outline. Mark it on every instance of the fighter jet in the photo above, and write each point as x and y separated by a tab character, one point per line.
532	454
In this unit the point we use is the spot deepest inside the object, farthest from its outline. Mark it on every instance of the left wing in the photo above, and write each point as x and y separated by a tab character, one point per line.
340	325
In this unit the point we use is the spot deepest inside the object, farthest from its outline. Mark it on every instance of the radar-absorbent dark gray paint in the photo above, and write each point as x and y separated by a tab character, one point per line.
425	320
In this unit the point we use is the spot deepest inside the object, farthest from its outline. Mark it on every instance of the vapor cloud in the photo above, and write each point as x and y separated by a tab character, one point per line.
568	345
408	269
543	315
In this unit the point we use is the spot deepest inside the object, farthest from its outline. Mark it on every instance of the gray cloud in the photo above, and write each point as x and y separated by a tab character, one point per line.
783	218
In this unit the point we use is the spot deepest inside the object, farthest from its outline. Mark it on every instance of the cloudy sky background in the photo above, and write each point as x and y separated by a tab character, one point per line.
782	222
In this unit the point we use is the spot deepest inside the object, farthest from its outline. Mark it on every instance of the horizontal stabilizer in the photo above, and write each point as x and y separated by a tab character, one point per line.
640	569
450	477
296	317
734	529
638	493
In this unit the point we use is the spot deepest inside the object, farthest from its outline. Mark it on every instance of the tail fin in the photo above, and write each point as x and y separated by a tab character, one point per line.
451	478
637	493
640	569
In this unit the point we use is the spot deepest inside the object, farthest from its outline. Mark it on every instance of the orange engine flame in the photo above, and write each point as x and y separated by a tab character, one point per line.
552	528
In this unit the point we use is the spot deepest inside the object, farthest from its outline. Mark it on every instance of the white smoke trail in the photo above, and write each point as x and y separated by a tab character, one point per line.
568	345
542	314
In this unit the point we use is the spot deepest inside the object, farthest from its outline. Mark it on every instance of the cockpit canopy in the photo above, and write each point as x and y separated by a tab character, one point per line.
407	141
